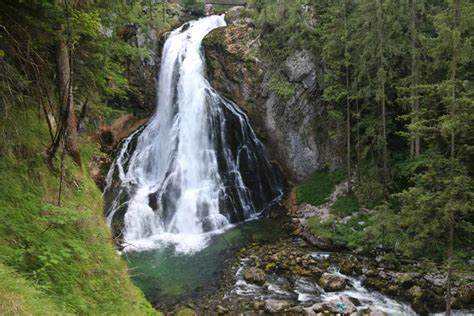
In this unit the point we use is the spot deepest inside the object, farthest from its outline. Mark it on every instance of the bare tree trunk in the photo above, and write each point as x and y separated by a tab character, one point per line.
415	139
358	140
450	258
65	76
382	93
453	155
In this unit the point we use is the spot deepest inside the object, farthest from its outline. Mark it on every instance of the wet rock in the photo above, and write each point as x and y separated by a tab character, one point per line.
424	301
349	265
255	275
332	282
221	310
313	310
369	272
373	311
438	280
258	305
276	306
208	9
342	305
406	280
350	303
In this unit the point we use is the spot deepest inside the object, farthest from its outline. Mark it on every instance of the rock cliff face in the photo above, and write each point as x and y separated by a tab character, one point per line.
296	128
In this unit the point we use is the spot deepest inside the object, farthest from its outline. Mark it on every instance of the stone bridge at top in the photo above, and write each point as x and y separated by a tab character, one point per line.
227	2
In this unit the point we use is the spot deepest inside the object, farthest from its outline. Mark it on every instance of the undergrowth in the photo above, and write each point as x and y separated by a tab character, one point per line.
341	235
317	188
345	205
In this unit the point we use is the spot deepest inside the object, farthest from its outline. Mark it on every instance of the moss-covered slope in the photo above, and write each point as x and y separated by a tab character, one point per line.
55	259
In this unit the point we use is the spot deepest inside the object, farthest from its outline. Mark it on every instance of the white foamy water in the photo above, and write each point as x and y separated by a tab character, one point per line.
196	167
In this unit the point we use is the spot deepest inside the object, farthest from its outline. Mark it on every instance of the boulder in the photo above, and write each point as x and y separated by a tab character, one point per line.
466	294
313	310
342	305
208	9
332	282
438	280
276	306
234	15
424	301
255	275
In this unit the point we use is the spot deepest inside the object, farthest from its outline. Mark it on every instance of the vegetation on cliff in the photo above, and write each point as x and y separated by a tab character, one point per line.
398	80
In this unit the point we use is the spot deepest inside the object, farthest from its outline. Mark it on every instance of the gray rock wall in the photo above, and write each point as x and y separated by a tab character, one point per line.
297	131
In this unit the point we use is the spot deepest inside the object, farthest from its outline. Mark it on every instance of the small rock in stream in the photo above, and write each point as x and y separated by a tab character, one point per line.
332	282
255	275
276	306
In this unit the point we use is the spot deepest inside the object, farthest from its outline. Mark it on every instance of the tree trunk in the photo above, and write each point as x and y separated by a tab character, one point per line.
69	120
453	156
348	107
415	137
358	140
382	79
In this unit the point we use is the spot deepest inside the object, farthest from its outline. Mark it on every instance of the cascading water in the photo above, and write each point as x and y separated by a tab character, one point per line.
196	167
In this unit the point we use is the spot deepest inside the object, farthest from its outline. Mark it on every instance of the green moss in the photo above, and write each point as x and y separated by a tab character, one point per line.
345	205
185	312
282	88
323	230
317	188
66	251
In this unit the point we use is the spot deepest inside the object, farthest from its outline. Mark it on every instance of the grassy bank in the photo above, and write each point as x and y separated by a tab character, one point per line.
55	259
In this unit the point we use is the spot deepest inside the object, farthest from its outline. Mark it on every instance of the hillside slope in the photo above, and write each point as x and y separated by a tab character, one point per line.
55	259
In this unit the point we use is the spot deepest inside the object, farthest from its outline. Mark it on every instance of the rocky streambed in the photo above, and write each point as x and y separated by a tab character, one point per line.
292	277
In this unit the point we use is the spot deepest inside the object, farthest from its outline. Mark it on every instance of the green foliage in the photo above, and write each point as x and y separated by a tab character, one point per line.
317	188
416	221
369	189
324	230
285	26
345	205
350	235
282	88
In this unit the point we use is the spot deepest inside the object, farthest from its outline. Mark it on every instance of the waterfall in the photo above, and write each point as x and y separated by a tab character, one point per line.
196	167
